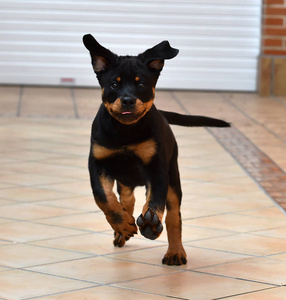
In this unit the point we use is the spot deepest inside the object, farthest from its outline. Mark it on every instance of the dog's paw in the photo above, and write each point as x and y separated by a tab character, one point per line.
150	225
124	227
175	258
120	240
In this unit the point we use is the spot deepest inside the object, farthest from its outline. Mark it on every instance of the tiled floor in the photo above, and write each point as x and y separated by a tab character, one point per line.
56	244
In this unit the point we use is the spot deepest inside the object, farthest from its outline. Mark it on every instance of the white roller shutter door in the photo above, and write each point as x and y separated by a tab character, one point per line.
219	40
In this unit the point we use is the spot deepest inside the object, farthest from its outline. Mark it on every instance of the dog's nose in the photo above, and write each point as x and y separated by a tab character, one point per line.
128	102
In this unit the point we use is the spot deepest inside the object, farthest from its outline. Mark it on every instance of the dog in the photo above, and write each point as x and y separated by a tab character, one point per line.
133	145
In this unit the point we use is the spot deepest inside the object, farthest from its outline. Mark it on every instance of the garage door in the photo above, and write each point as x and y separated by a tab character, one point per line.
219	40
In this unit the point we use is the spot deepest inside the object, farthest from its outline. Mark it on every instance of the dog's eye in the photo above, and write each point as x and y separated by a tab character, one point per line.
114	85
141	85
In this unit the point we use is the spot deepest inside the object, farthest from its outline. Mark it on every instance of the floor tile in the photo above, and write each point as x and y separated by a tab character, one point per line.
45	102
277	293
87	101
102	270
27	232
150	255
264	270
31	194
166	101
24	211
216	205
6	185
197	257
97	244
276	232
58	171
268	212
281	256
219	189
20	284
193	233
81	188
237	223
2	243
2	269
9	100
21	255
29	155
6	202
104	292
86	221
211	174
244	244
191	284
84	203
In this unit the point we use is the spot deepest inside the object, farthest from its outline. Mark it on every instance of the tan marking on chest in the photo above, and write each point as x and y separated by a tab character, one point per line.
100	152
145	151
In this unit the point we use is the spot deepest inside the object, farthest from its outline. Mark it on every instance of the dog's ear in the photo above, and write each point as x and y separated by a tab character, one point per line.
101	58
154	57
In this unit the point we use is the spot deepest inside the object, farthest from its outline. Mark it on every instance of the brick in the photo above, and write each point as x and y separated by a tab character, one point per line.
274	52
269	2
272	42
275	31
273	21
277	11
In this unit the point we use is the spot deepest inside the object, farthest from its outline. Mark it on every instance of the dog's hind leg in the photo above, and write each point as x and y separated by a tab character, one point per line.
127	200
176	254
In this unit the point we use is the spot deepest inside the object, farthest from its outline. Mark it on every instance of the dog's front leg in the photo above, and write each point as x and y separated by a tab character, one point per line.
119	219
150	221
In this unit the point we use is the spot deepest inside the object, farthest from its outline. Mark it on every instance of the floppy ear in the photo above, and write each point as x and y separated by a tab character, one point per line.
101	58
154	57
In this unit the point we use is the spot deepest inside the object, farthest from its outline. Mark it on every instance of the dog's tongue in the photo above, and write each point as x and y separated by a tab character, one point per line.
126	113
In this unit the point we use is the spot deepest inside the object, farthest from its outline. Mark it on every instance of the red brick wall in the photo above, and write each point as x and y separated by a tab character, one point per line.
274	27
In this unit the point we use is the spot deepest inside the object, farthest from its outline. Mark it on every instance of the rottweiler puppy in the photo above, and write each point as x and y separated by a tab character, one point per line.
133	145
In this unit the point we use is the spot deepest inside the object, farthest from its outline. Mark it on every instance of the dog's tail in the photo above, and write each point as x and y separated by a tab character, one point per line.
192	121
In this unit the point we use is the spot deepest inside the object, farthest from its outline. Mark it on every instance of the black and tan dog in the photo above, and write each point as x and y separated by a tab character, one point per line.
133	144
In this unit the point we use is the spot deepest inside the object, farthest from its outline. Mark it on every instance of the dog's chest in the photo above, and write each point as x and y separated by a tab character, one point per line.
145	151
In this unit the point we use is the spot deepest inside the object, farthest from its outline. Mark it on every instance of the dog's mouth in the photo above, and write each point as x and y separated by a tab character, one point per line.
127	113
127	116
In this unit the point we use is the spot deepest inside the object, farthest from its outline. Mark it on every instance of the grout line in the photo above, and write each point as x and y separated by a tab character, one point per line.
74	103
179	103
246	256
234	277
250	293
29	269
19	107
176	271
278	100
272	76
63	293
113	285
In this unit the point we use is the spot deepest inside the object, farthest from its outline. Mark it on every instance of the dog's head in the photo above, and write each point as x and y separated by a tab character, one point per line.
128	82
